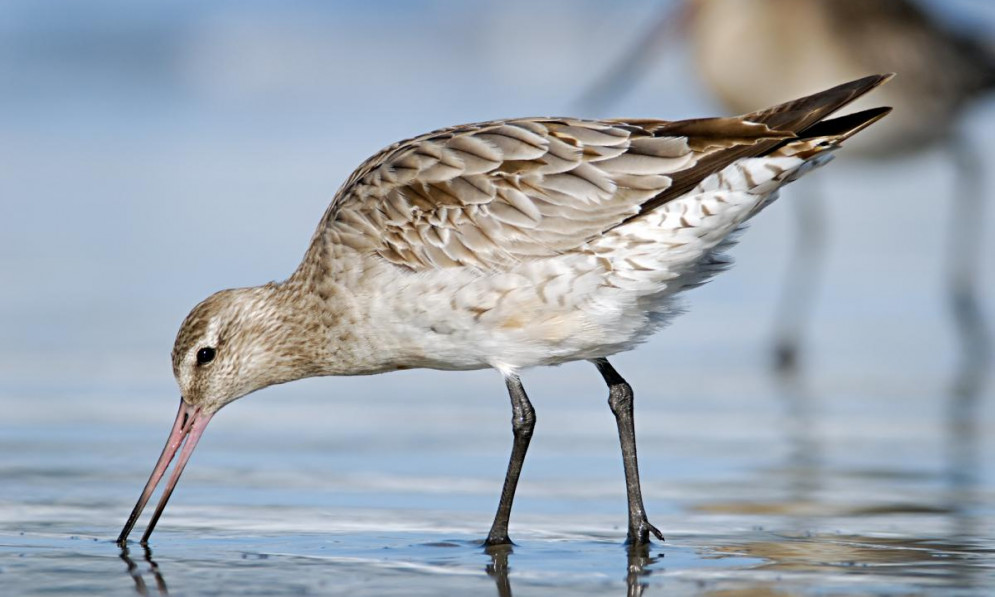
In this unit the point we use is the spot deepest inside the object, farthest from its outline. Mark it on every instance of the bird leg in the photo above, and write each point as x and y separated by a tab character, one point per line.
801	280
523	420
620	401
964	251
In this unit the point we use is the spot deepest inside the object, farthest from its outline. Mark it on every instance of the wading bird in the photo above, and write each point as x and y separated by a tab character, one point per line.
505	245
751	52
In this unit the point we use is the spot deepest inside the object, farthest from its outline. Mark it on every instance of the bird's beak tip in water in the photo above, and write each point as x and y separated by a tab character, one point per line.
188	427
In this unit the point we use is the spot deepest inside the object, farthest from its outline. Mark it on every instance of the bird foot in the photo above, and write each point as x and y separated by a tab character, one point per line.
497	540
639	534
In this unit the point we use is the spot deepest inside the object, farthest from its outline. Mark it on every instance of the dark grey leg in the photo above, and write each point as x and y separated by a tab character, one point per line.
620	401
523	420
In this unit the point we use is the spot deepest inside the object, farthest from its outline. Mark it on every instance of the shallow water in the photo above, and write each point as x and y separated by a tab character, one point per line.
787	493
155	154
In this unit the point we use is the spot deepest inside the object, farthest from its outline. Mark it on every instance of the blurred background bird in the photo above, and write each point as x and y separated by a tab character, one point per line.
749	52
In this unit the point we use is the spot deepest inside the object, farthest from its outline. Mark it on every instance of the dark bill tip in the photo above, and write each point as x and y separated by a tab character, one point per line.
187	429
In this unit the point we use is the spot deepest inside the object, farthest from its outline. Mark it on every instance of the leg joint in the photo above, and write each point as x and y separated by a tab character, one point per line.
524	421
620	398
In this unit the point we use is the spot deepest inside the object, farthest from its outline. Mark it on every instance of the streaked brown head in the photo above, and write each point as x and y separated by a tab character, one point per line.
229	346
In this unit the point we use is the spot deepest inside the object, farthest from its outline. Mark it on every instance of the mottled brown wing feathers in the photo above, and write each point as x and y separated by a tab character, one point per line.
492	194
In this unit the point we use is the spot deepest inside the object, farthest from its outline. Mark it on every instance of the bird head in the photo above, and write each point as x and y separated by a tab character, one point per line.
233	343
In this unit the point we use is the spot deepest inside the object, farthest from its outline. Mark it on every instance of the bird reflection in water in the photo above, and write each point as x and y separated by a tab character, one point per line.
799	547
498	568
964	464
637	569
136	573
638	562
805	467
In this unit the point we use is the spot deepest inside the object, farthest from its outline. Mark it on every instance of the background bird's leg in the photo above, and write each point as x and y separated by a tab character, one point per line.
963	256
620	401
523	420
801	279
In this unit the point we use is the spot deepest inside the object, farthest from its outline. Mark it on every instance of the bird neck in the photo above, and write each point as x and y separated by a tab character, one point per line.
321	329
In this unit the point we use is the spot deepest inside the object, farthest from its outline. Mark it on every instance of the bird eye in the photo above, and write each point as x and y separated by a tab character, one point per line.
205	355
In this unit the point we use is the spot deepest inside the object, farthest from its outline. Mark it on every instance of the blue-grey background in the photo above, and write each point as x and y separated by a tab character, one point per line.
152	153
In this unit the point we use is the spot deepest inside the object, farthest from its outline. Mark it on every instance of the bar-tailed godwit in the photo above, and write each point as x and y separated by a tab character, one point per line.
505	245
942	71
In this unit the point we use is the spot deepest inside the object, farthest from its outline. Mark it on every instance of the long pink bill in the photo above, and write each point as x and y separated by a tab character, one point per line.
188	426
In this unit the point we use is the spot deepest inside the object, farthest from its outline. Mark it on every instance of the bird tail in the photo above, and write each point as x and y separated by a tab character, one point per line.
789	127
828	134
798	115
